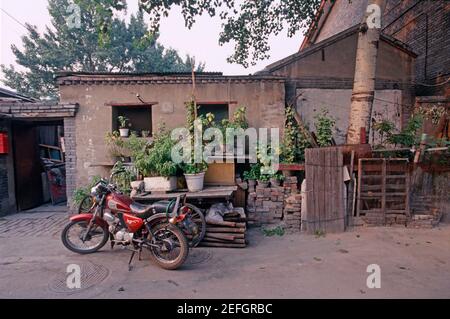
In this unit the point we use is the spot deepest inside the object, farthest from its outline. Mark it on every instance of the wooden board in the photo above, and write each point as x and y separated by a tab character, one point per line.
224	192
324	190
220	174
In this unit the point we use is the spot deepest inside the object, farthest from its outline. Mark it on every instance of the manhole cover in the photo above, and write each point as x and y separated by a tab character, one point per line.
198	256
90	275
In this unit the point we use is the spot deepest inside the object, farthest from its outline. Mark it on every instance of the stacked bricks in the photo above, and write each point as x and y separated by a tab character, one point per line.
265	205
423	221
292	212
290	185
275	204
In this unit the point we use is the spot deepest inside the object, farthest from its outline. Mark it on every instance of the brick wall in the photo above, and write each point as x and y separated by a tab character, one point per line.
71	155
40	110
424	26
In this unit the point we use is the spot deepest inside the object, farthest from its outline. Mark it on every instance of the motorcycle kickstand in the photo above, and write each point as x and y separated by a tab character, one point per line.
140	254
130	267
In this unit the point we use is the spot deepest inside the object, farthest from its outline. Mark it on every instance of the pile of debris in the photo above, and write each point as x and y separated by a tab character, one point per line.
225	227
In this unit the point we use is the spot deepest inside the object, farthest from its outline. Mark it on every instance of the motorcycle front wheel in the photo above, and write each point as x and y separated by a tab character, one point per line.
169	247
73	234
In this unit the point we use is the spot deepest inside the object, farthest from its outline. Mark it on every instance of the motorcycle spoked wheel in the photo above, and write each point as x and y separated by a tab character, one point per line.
73	233
86	205
197	216
172	246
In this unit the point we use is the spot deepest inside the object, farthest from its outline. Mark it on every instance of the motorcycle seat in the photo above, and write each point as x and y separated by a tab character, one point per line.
145	211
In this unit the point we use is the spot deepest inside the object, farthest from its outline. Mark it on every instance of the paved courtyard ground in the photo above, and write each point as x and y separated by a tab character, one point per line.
414	264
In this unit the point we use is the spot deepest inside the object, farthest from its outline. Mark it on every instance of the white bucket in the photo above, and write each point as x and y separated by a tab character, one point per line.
195	181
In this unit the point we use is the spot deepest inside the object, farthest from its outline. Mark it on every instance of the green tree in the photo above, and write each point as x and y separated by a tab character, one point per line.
246	23
101	44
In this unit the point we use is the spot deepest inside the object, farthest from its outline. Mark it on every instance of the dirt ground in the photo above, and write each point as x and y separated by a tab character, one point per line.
413	263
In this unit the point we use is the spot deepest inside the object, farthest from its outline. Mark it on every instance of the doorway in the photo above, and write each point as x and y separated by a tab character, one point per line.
38	163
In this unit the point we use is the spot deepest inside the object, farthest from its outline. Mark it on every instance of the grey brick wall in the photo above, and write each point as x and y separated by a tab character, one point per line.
424	26
71	156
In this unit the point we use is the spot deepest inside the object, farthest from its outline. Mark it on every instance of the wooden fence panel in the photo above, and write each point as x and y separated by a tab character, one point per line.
324	190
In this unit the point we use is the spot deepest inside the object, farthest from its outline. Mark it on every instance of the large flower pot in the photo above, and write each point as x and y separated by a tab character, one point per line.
195	181
124	132
160	184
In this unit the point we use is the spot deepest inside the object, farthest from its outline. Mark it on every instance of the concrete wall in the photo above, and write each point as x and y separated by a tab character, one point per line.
337	102
337	60
264	101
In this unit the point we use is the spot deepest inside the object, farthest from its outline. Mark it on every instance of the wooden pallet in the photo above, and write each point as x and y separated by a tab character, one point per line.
383	190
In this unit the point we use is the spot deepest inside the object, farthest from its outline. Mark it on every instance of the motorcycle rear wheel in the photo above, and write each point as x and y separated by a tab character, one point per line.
168	235
198	218
84	248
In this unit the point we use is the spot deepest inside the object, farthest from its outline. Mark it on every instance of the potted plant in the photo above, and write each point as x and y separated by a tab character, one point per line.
263	180
155	164
116	146
252	175
293	146
195	176
194	173
276	179
124	126
239	121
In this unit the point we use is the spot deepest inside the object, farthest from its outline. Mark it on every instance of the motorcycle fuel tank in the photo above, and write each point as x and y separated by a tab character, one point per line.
117	202
133	223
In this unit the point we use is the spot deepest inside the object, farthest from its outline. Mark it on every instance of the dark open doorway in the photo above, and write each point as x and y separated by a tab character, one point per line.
37	159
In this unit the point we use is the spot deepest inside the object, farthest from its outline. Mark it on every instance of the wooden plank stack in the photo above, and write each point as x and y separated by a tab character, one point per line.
229	233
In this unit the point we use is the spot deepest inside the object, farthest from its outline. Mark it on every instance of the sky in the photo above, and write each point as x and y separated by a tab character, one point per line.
201	41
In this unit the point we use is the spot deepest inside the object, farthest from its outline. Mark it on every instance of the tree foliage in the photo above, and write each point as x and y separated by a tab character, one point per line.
246	23
103	43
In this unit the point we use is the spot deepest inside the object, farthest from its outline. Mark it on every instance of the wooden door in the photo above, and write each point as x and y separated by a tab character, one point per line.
325	190
27	166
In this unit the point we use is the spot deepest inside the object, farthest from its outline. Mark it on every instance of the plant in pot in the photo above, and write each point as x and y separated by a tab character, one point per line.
252	175
122	177
239	121
124	126
156	165
263	180
265	155
116	146
194	175
194	172
276	179
325	126
294	144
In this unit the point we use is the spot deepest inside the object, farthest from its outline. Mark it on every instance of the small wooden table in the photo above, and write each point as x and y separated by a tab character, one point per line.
209	192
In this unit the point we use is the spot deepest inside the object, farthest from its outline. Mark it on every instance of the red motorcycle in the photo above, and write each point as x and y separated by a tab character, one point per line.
117	217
